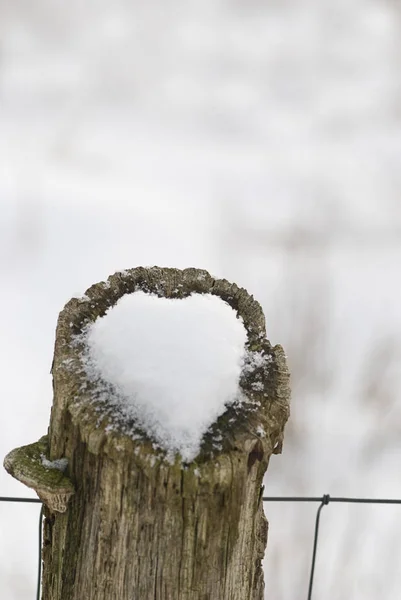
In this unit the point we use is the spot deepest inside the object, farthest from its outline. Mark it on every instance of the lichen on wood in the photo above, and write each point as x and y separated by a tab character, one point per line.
27	465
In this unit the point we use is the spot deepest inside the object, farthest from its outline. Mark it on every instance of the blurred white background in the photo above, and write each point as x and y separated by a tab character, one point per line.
261	141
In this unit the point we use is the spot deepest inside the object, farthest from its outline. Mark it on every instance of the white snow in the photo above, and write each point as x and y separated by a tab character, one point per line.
174	364
60	463
254	360
260	431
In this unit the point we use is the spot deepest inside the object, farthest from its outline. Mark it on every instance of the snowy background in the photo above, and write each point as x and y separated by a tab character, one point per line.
261	141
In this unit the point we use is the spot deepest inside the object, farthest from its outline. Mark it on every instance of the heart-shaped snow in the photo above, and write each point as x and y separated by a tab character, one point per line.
174	363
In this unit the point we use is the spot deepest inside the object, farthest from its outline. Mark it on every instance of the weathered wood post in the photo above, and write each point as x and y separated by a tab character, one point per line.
124	523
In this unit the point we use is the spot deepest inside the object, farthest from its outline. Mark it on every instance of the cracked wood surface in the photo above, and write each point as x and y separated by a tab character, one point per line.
138	527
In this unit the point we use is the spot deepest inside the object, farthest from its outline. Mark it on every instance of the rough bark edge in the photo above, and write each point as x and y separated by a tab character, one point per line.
267	386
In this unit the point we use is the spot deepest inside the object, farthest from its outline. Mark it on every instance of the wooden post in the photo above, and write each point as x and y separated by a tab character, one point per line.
122	522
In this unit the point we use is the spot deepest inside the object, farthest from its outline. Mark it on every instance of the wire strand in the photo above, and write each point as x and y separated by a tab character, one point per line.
323	500
39	554
332	499
11	499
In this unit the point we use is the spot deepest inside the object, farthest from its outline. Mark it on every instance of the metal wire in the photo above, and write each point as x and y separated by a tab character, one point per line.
323	500
39	554
11	499
332	499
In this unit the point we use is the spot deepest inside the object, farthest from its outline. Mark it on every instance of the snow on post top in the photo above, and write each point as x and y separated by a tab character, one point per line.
174	364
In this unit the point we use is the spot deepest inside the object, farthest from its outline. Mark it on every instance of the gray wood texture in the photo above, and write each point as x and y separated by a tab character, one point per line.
137	526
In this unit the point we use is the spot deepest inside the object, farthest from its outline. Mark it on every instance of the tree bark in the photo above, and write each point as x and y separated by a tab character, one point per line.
137	526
